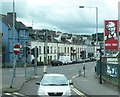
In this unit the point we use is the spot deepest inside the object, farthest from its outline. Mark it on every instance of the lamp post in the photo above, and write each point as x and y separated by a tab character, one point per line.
96	8
96	21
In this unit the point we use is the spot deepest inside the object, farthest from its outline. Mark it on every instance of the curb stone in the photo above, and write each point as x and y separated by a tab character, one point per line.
11	90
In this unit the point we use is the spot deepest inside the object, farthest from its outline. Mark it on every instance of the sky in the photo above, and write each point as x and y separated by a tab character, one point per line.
63	15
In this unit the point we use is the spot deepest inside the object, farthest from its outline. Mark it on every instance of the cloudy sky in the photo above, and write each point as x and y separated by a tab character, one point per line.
63	15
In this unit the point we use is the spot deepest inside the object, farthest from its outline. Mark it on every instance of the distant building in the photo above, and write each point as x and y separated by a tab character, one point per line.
58	43
21	37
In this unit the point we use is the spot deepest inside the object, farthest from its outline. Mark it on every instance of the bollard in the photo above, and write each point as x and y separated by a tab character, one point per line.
84	70
95	68
45	69
79	73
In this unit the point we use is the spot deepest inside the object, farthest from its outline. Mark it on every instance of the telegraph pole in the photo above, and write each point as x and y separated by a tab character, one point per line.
100	64
46	57
36	53
13	37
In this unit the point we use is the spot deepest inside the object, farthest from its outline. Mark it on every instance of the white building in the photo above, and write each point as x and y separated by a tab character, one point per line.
60	44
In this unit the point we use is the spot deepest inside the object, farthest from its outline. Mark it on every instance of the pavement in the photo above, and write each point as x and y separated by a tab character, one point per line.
18	81
89	84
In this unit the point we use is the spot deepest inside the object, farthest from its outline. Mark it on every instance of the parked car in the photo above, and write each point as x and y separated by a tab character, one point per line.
54	85
56	63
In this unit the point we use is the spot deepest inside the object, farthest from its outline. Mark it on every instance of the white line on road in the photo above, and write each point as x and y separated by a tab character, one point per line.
74	76
8	94
18	94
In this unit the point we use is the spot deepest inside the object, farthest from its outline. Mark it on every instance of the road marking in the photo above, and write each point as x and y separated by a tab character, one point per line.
8	94
77	91
75	76
15	93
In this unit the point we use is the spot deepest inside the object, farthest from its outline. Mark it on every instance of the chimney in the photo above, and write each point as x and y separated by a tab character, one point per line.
10	15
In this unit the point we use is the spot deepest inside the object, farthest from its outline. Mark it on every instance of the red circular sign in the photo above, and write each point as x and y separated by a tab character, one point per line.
16	49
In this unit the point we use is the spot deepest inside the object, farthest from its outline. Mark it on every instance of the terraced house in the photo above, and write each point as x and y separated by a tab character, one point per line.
58	43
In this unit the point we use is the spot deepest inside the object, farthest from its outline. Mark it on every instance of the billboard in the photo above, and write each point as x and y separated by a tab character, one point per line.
111	34
112	67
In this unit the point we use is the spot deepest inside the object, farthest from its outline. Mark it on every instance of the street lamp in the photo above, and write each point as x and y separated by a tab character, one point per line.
96	21
96	24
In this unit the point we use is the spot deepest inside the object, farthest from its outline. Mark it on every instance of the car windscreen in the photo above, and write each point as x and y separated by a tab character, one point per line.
54	80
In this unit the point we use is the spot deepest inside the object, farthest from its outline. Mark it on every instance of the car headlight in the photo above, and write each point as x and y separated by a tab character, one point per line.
68	92
41	92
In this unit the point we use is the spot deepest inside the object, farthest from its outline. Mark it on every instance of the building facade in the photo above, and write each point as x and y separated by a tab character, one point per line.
57	44
12	36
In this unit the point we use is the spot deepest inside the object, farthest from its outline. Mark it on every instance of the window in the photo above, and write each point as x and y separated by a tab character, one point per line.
39	49
51	49
58	49
68	49
40	59
54	56
44	49
65	49
55	50
48	49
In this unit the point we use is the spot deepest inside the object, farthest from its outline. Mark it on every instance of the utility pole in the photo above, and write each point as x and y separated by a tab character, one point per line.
46	47
13	37
36	53
84	62
100	64
35	71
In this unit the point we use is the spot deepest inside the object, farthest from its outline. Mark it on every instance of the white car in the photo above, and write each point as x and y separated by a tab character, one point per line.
54	85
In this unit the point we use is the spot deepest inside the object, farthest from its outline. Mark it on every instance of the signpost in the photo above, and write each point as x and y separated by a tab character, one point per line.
16	50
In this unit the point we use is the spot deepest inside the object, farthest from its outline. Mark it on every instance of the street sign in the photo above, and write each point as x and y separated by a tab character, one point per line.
16	49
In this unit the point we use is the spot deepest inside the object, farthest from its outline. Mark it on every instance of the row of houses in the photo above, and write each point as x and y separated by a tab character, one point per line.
57	43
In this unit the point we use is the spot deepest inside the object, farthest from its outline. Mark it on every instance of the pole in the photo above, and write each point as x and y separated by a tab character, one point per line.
35	67
14	56
46	57
14	36
35	73
84	64
14	65
118	75
100	65
96	25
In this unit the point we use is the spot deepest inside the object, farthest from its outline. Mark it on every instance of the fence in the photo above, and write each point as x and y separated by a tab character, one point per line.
109	70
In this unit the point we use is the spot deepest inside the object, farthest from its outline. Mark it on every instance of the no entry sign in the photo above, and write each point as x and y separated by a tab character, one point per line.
16	49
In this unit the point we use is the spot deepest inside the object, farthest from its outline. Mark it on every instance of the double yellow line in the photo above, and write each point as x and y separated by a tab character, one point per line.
76	90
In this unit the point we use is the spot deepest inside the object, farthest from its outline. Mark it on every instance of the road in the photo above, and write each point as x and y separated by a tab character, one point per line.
69	70
83	84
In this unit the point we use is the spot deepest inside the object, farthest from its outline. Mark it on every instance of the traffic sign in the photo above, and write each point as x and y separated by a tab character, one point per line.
16	49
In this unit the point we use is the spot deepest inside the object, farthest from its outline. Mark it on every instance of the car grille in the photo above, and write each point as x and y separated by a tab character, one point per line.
55	94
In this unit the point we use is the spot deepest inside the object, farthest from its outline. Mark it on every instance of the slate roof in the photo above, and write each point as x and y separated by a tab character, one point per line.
8	20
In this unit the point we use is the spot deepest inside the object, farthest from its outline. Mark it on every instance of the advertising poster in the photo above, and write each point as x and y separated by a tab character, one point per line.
112	70
112	67
111	34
